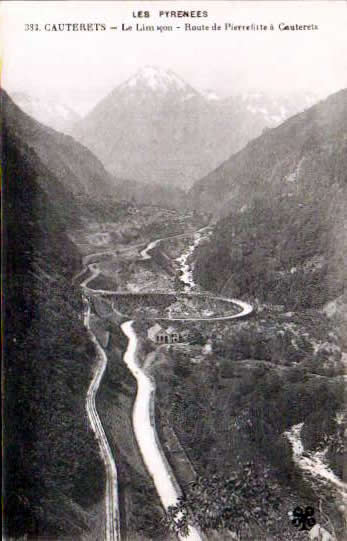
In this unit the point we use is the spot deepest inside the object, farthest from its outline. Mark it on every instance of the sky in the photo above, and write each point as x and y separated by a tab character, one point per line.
80	68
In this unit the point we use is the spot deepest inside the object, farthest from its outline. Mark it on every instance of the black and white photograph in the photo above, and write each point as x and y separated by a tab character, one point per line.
174	262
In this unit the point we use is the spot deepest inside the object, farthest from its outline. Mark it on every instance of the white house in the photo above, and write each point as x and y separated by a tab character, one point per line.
163	336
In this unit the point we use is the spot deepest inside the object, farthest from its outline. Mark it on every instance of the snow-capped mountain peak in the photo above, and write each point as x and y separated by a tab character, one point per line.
155	127
157	79
275	109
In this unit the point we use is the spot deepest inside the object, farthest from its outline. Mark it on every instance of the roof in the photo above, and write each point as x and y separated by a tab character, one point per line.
170	330
155	329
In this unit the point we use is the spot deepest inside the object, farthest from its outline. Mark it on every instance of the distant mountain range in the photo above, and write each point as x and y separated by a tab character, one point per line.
155	127
50	112
77	170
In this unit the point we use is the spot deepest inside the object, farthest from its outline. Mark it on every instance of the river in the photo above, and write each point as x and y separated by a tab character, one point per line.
313	463
186	275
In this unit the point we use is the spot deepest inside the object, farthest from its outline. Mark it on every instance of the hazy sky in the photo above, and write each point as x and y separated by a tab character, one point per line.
82	67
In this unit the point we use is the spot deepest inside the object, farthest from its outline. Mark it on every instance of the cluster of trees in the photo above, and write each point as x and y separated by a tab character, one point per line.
127	304
277	401
244	501
104	208
269	344
222	423
108	283
159	256
265	251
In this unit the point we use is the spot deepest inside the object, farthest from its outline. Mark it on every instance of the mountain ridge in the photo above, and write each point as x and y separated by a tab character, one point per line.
54	472
75	166
279	208
269	157
155	127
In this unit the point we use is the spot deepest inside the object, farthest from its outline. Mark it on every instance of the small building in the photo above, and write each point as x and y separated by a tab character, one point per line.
159	335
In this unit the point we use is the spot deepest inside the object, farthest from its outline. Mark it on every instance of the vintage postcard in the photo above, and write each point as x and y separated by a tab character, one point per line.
174	270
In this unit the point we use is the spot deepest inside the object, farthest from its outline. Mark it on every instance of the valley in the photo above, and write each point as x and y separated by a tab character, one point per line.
217	355
176	341
143	412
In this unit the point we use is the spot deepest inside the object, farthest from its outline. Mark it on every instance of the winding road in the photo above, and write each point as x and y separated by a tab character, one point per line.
143	416
245	308
143	410
146	434
112	526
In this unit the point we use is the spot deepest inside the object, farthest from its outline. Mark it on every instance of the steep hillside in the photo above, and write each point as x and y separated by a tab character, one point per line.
270	394
280	241
307	149
155	127
71	163
282	235
54	474
94	191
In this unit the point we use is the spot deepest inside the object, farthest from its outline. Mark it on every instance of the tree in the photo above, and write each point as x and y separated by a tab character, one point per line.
238	502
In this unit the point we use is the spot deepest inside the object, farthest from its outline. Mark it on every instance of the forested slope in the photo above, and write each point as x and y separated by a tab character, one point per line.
305	153
281	233
77	169
53	472
279	241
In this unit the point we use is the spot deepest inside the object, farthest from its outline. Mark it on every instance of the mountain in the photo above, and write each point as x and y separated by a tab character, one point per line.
275	109
54	472
150	128
51	113
279	206
279	241
306	147
73	165
78	170
155	127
